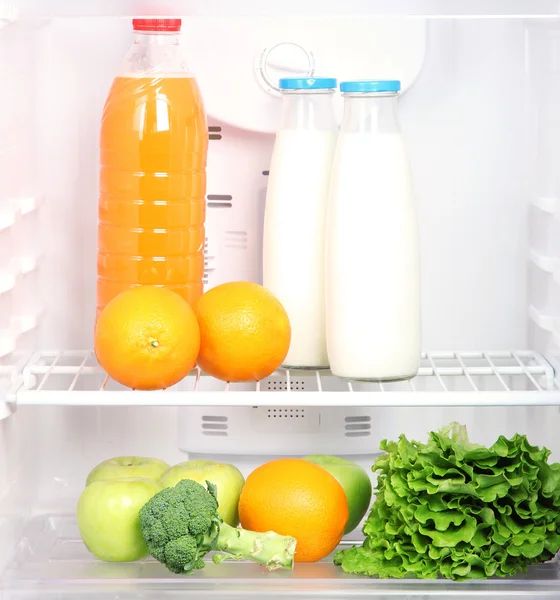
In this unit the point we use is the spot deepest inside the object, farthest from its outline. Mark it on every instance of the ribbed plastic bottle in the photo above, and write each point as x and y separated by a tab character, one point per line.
154	144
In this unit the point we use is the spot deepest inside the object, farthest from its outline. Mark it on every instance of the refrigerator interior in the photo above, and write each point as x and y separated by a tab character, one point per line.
481	122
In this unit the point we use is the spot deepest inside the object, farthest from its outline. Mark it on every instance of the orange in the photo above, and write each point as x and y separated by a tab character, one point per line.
244	332
294	497
147	338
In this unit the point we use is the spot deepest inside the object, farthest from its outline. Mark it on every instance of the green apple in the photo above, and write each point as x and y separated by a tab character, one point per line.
227	478
124	467
355	482
108	517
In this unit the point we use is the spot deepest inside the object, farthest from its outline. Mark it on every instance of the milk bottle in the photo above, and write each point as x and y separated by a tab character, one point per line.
295	214
372	245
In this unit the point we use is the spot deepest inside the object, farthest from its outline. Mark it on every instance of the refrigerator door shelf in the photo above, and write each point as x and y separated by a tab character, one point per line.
544	229
544	283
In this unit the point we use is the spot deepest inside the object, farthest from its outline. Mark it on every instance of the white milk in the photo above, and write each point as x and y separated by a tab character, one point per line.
294	238
373	263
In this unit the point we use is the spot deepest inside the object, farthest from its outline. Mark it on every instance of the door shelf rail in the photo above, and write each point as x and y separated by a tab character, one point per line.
508	378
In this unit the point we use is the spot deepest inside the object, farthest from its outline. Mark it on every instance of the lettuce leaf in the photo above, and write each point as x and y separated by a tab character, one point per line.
450	508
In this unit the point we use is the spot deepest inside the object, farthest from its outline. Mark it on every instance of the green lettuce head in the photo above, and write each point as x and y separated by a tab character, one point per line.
454	509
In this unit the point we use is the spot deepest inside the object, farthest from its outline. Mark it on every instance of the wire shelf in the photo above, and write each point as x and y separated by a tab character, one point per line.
445	379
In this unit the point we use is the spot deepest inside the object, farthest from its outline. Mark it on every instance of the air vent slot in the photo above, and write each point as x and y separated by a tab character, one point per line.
214	425
215	132
209	264
286	413
281	385
219	200
206	272
357	426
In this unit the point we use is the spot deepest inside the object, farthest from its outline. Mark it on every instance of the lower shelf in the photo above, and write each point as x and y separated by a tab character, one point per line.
50	561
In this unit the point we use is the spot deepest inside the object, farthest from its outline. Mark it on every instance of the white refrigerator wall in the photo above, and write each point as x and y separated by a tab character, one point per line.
472	131
467	126
468	129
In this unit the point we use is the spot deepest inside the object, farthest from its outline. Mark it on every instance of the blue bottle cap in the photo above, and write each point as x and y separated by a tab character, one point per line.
311	83
370	86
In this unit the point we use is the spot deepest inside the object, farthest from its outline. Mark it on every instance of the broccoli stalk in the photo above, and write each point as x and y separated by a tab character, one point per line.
270	549
181	525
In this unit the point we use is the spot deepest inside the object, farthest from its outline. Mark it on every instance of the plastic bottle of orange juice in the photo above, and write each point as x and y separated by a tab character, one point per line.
154	143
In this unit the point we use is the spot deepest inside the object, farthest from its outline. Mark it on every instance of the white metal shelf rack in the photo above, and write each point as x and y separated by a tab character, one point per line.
520	378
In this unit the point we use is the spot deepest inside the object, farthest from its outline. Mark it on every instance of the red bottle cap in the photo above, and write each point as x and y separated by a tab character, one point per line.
165	25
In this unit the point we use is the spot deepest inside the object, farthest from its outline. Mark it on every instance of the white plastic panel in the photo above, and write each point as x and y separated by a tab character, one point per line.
544	210
544	259
65	8
19	227
263	430
8	276
245	97
544	230
20	299
544	286
471	168
543	55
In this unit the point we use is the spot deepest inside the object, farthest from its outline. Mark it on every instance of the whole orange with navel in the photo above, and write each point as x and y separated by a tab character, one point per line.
295	497
244	332
147	338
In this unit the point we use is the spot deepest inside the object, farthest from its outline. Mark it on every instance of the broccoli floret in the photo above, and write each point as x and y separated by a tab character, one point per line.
181	525
182	555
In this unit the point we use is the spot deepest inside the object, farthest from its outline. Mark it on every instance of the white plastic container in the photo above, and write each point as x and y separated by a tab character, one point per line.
373	258
295	214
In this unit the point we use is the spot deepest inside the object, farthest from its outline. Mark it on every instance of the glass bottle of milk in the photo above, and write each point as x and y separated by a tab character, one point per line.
372	243
295	214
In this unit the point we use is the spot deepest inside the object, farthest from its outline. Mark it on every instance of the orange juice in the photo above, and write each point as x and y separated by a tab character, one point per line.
154	142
